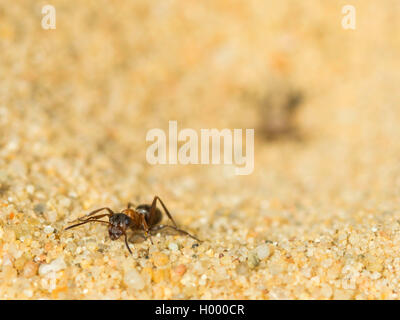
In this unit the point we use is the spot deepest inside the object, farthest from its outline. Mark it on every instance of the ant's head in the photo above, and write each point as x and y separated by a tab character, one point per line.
119	222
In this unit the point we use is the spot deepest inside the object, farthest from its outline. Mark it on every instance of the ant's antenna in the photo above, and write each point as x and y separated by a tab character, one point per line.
87	221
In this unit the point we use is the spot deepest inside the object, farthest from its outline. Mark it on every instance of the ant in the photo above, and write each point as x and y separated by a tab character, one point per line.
143	217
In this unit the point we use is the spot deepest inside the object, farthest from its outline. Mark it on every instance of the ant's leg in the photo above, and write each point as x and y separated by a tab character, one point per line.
153	209
148	235
146	229
87	221
96	217
160	227
126	243
84	218
163	226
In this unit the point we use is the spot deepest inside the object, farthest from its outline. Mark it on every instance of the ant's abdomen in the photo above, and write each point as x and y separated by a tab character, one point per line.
151	220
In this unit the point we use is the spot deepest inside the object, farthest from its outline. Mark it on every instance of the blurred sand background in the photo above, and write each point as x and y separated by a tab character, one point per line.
317	219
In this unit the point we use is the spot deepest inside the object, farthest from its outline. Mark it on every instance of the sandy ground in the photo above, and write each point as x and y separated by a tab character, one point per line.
317	219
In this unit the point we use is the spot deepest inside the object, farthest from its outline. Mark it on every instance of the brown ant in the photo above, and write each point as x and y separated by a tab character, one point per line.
144	217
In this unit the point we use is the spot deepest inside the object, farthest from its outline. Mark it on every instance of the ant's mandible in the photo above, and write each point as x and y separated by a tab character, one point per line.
144	217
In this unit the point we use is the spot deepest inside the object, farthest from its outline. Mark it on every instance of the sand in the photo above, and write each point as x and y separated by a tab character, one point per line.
317	219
